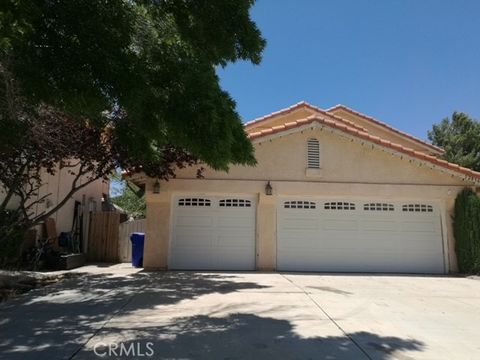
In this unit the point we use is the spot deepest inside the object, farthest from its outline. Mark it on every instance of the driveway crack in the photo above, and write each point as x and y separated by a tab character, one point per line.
100	328
329	317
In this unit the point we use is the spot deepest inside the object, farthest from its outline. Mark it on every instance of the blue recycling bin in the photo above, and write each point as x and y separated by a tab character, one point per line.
137	239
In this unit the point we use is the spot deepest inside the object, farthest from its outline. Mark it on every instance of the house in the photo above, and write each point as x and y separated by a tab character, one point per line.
348	193
58	185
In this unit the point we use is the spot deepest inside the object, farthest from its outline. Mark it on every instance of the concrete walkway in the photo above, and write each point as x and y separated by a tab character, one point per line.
116	312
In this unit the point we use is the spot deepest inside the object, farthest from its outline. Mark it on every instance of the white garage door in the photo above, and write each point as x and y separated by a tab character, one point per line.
213	233
355	236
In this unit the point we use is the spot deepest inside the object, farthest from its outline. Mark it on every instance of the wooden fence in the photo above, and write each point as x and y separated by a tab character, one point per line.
103	237
124	244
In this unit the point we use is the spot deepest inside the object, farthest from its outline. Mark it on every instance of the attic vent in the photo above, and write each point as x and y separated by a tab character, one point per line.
313	154
235	203
378	207
339	206
417	208
299	205
194	202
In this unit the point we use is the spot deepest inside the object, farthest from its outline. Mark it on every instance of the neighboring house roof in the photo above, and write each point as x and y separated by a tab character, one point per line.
386	126
322	120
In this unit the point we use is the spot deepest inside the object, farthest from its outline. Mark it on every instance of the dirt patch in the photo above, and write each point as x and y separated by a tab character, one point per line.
13	283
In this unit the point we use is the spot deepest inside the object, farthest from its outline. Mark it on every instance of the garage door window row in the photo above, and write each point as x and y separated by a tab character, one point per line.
417	208
201	202
235	203
339	205
299	205
378	207
194	202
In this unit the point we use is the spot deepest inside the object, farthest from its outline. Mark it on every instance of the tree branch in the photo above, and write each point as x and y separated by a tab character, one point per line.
67	197
11	189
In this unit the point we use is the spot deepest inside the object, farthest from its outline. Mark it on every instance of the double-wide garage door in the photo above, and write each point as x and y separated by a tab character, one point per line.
355	236
213	233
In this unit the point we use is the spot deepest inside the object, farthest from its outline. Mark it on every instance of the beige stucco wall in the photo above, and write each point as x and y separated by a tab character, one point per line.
58	186
155	255
350	169
341	159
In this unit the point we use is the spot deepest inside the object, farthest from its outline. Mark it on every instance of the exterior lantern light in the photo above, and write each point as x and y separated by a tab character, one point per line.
156	187
268	188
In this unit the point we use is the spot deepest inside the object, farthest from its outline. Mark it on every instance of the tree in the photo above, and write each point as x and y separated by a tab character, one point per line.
132	200
46	141
150	65
460	138
466	228
110	84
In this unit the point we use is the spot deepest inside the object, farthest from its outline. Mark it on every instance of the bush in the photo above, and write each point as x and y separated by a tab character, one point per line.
11	237
467	231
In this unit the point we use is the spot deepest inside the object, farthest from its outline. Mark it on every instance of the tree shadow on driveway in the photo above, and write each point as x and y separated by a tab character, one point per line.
242	336
55	321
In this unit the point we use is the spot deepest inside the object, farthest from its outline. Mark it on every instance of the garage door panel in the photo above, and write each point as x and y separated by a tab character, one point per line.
213	233
234	241
417	226
193	240
229	222
298	235
335	225
299	224
185	258
309	240
419	244
194	221
356	236
378	225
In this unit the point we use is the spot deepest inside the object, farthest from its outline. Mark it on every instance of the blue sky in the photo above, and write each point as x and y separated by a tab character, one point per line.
409	63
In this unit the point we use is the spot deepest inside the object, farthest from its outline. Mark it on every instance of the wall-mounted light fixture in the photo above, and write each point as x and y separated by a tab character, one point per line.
156	187
268	188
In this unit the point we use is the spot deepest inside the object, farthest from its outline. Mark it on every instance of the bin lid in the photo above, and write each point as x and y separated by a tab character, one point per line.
137	235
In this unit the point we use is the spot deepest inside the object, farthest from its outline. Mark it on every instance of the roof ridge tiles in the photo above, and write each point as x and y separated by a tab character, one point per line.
385	125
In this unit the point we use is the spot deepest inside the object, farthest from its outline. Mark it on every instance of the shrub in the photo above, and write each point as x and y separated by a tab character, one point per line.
11	237
467	231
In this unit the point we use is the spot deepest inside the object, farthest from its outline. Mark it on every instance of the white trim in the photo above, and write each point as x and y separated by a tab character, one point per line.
444	227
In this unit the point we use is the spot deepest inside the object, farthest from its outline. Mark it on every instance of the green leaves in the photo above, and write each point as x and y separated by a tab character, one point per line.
131	199
460	137
467	231
150	64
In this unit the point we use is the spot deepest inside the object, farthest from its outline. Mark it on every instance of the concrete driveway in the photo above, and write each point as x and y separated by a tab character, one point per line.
118	312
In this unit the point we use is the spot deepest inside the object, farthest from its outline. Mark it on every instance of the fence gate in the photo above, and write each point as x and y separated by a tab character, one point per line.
103	237
124	245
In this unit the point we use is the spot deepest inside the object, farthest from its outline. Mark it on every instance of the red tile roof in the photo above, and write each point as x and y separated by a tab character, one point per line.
388	127
366	136
297	106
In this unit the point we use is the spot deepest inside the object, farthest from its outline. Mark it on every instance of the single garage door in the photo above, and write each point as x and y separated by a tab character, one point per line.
213	233
353	236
